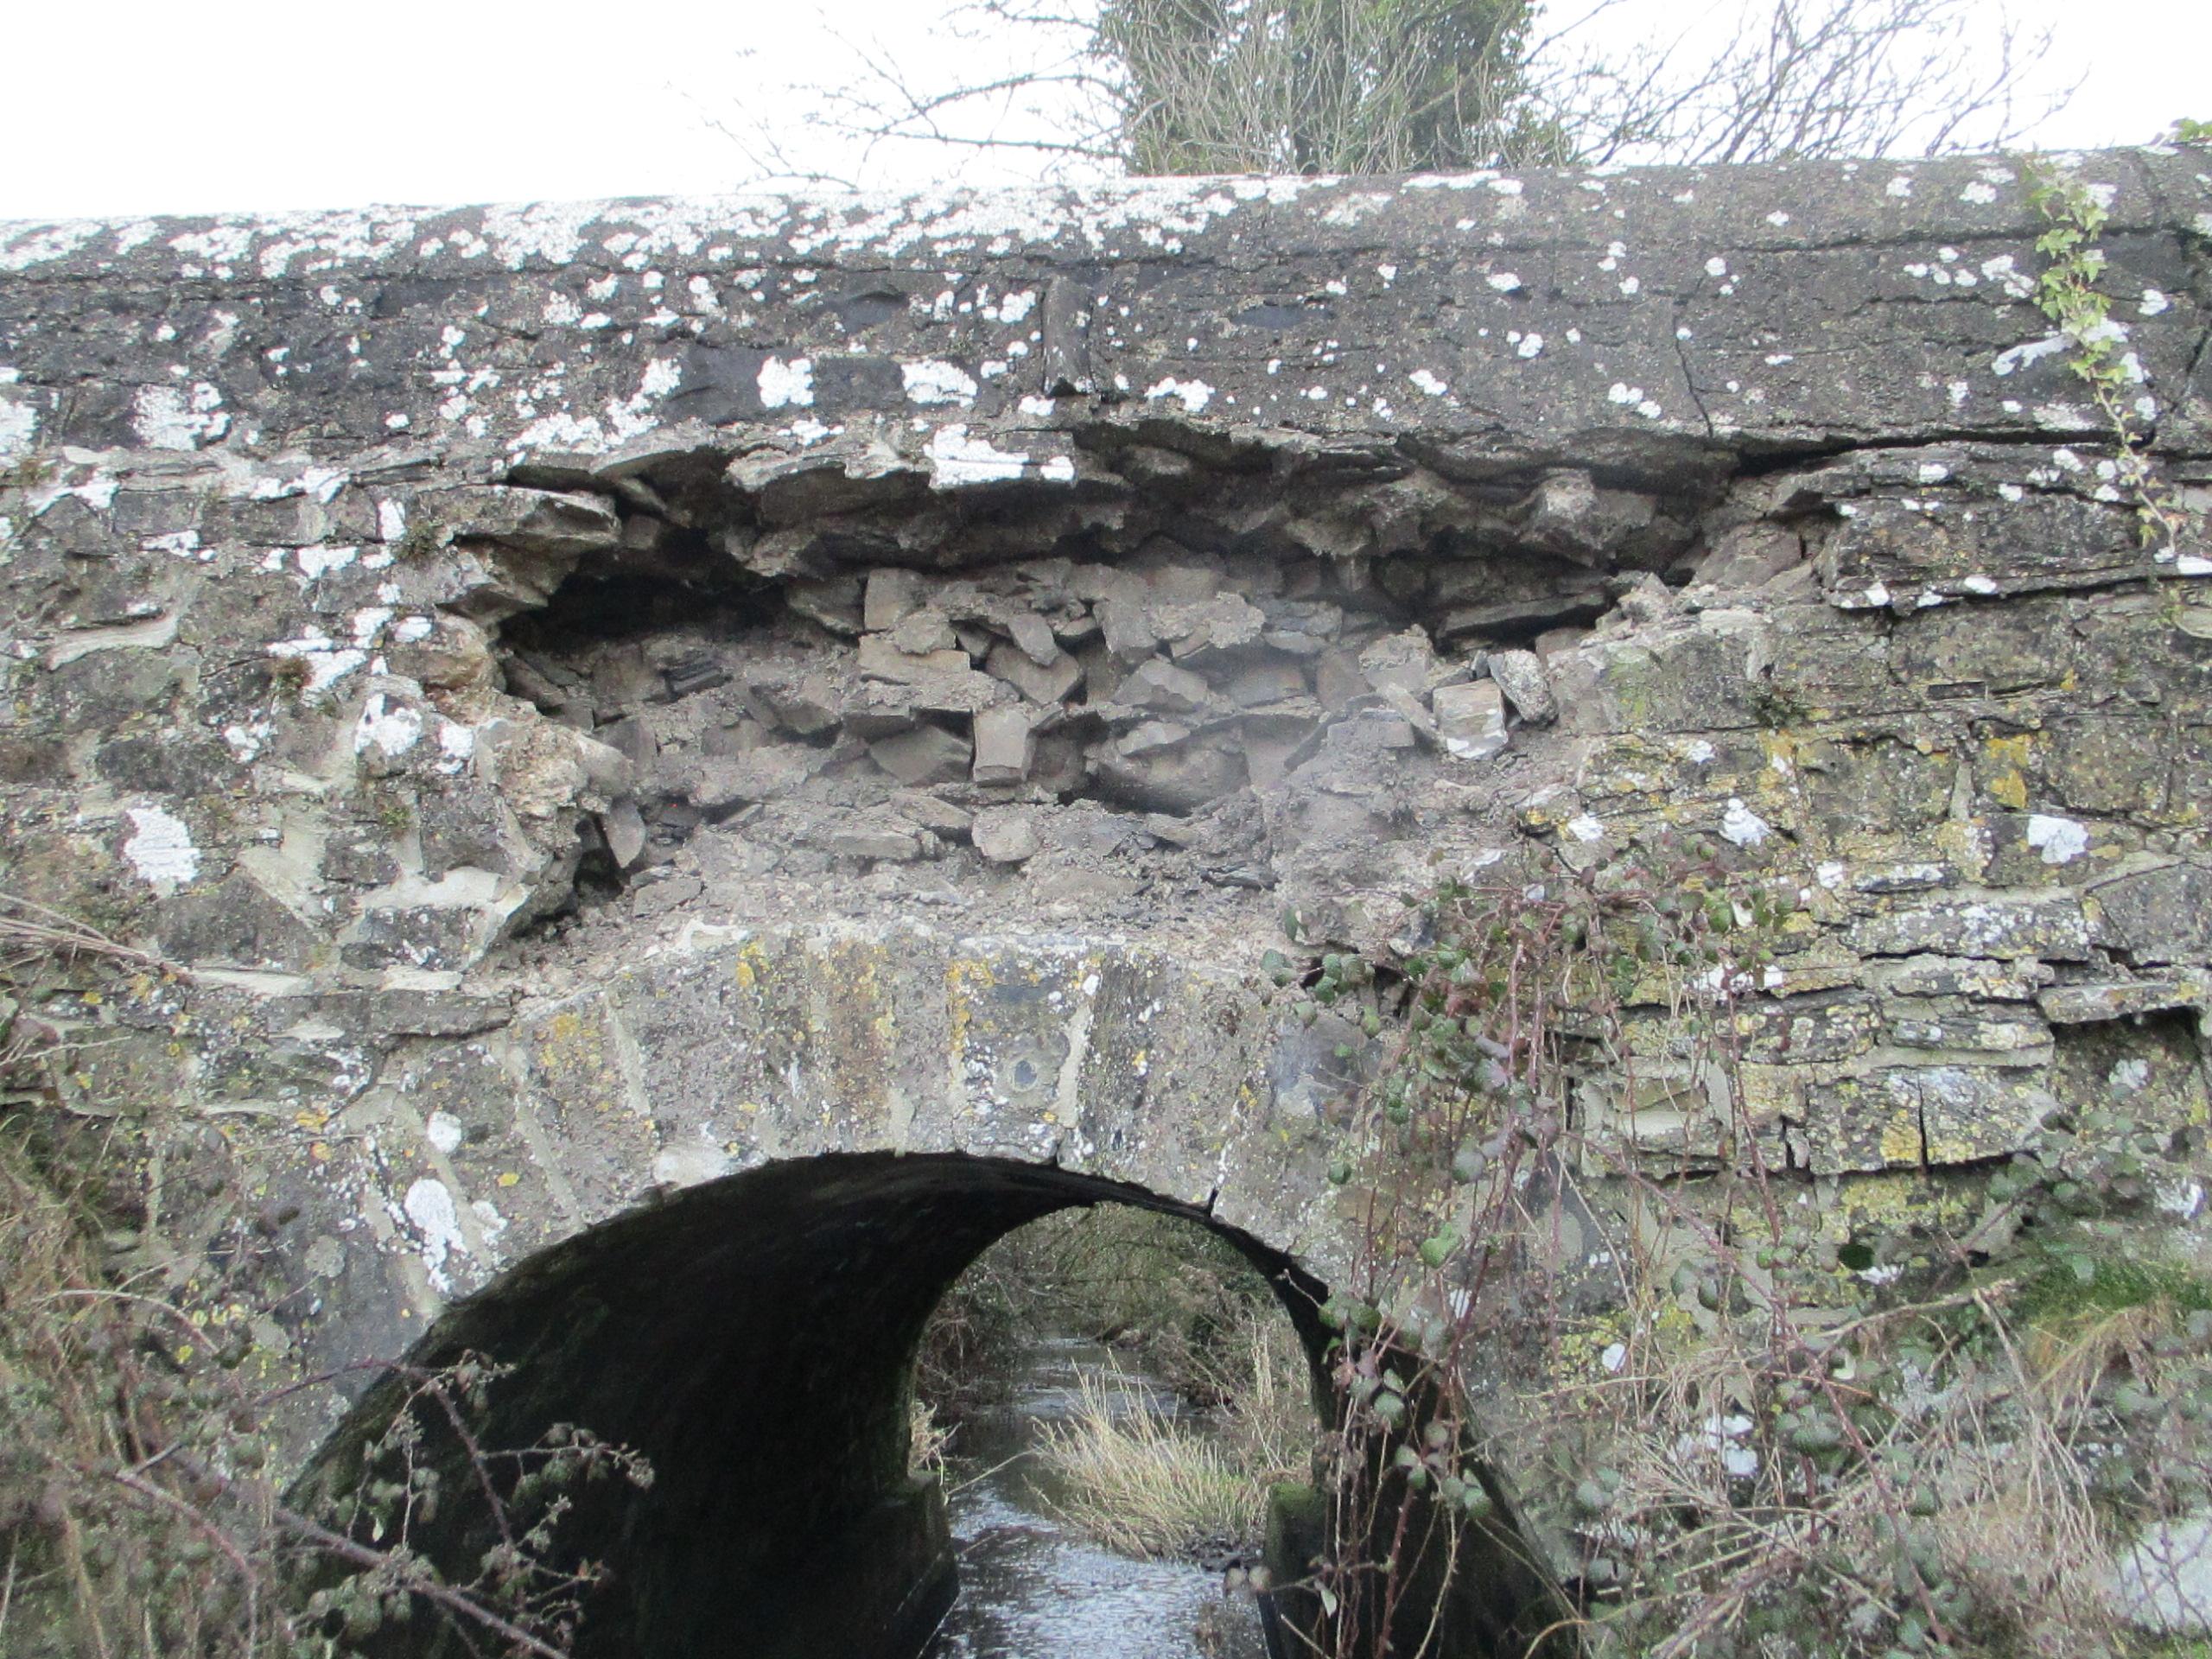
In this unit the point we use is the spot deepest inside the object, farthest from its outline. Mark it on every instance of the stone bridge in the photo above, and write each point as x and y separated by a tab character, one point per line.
679	768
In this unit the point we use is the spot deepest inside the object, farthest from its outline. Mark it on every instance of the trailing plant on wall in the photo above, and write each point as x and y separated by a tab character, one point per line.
2070	291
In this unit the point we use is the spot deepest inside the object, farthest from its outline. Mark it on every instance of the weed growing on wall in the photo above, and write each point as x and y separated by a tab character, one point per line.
1754	1432
2069	291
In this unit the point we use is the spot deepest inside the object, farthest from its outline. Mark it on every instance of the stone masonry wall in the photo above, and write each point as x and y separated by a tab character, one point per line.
434	634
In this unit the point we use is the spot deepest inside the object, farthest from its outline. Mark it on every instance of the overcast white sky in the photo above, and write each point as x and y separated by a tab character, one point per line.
115	109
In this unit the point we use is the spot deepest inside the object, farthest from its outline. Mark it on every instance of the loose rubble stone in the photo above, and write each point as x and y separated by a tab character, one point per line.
1052	683
1005	746
1471	719
1404	662
1520	675
1157	683
625	829
927	754
1006	835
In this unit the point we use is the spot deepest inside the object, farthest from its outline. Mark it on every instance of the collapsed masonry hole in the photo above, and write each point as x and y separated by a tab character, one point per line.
817	667
755	1338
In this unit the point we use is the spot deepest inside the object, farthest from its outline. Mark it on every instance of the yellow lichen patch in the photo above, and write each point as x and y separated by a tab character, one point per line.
1951	1149
966	979
751	964
2004	760
1895	1198
1901	1138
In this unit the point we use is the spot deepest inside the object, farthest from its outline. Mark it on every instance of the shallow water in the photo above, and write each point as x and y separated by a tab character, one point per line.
1029	1589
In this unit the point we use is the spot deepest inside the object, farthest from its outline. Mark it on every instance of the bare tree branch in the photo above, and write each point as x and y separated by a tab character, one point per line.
1097	86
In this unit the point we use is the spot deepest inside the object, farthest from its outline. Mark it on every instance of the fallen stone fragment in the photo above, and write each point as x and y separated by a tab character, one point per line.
1470	718
1005	746
1053	683
718	782
1405	660
1157	683
940	817
922	632
1266	682
1005	835
867	840
1223	625
1127	634
882	658
1152	735
832	602
806	706
1415	717
927	754
624	826
891	595
1520	674
1034	634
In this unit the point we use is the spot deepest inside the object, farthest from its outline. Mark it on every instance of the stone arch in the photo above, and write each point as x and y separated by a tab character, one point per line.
754	1336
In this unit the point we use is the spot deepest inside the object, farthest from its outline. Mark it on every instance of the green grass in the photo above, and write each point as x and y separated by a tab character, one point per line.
2069	1285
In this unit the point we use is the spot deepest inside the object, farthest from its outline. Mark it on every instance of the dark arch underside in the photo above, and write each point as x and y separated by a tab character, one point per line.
754	1337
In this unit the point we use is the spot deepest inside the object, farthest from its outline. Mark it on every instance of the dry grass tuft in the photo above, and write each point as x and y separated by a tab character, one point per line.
1143	1482
1148	1484
927	1439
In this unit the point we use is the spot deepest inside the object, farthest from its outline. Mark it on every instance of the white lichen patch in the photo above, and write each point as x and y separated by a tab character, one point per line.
2033	350
390	729
429	1208
325	661
443	1131
933	382
245	739
18	423
1424	381
788	386
1193	394
160	848
1743	826
1632	398
174	417
2061	840
958	460
319	560
42	244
